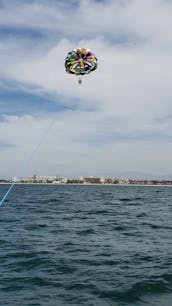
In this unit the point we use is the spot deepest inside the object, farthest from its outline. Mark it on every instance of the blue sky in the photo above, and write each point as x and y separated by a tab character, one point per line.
119	121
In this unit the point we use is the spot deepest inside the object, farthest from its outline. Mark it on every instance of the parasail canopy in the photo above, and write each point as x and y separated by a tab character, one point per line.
80	61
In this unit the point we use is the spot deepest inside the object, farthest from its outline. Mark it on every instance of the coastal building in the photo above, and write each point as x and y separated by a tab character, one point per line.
22	180
90	180
45	179
59	180
123	181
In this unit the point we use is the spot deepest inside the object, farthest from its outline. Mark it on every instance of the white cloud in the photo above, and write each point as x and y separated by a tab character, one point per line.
128	97
65	150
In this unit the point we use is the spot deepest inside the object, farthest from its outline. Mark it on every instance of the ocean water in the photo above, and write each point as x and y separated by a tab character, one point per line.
86	245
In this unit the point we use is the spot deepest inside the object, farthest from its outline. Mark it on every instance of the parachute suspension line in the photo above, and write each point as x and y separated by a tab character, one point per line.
27	161
80	81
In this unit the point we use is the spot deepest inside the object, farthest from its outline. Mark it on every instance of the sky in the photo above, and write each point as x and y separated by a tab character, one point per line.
119	122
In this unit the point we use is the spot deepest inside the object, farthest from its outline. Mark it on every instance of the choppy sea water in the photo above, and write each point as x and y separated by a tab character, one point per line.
86	245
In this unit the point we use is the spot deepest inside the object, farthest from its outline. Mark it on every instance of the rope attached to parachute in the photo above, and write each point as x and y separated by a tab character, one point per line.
28	161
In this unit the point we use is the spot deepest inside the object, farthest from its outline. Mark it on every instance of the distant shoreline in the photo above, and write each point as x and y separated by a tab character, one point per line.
91	184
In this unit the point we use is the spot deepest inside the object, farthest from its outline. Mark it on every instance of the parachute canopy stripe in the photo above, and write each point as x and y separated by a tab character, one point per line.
80	61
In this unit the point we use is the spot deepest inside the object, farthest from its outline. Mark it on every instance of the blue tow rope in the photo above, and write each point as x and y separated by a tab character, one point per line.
27	162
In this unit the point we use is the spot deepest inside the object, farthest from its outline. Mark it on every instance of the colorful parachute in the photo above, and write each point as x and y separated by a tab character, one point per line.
80	61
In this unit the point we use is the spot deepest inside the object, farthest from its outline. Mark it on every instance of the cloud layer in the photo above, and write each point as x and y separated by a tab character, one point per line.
119	121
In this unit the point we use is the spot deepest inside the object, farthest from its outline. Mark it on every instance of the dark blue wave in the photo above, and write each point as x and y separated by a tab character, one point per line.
86	245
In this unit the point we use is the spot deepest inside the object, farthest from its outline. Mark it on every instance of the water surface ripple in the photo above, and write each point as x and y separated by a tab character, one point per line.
86	245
